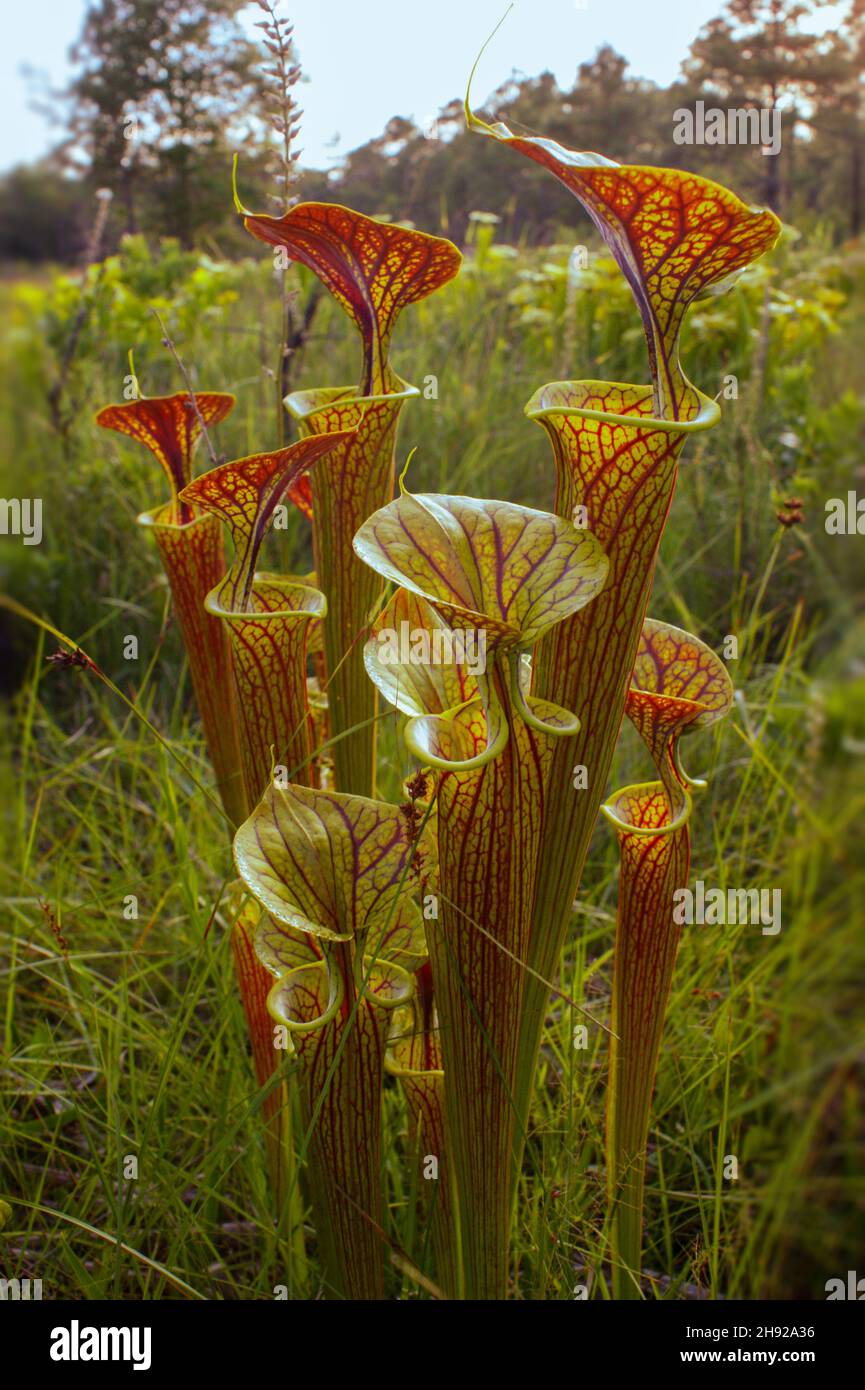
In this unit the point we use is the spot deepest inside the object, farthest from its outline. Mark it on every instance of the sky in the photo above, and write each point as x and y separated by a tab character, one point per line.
368	60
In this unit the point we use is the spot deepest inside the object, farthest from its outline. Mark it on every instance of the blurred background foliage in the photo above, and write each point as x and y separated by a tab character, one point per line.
164	90
784	352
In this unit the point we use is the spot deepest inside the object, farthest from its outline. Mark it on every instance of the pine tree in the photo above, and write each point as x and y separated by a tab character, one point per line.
758	56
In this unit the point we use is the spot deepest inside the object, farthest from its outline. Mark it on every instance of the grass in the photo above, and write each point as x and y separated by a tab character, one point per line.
123	1037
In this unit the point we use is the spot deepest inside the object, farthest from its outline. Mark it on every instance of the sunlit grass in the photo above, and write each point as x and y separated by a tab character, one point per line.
123	1036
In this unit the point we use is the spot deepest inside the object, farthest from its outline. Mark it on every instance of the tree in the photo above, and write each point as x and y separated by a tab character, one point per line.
758	56
839	118
43	215
163	85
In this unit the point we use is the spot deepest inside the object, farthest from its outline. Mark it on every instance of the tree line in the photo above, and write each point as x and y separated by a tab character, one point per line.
165	90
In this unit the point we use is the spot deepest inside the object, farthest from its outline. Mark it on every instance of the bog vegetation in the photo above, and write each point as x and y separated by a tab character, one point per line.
390	1049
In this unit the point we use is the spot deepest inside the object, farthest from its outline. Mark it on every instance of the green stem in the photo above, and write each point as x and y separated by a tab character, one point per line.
585	663
343	1074
348	485
647	941
489	823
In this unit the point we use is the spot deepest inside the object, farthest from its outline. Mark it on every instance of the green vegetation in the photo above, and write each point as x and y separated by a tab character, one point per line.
111	1021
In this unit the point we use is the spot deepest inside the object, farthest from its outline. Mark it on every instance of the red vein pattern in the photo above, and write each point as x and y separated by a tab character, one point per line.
332	866
245	494
489	824
268	617
647	940
420	687
511	572
193	558
332	871
678	684
269	643
674	235
354	480
269	670
254	985
415	1057
373	269
267	621
268	647
192	555
343	1061
300	493
190	541
169	426
624	475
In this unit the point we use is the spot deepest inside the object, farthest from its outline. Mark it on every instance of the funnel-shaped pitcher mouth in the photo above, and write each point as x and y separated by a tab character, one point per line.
165	518
272	598
302	405
616	403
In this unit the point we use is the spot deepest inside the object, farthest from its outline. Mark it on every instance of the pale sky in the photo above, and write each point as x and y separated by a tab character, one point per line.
367	60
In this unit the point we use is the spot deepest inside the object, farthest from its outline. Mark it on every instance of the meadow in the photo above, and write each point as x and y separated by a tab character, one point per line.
123	1037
